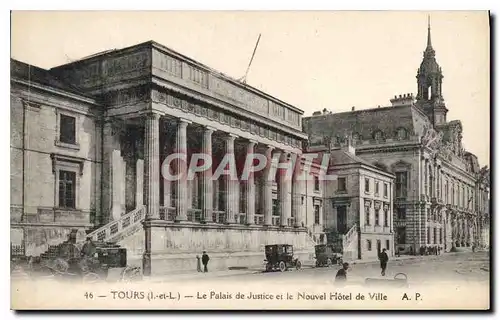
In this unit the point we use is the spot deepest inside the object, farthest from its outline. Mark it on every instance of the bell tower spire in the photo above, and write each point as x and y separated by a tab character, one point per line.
429	42
429	81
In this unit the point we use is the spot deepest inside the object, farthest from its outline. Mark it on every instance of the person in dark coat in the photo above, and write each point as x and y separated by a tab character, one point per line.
384	258
89	248
204	259
341	276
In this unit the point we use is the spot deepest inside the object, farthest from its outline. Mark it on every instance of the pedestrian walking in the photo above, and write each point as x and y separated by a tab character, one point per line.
341	276
204	259
384	258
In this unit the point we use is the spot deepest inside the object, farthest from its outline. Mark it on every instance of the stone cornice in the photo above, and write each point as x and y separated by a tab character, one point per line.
55	91
226	106
169	52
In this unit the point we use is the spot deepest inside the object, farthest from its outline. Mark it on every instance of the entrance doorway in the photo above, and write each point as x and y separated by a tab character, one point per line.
342	219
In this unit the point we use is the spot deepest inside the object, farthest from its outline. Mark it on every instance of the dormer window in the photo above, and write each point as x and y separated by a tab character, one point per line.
378	135
401	134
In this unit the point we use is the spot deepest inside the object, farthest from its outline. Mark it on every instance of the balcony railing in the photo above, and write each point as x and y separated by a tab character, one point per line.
258	219
276	220
241	218
167	213
219	217
194	215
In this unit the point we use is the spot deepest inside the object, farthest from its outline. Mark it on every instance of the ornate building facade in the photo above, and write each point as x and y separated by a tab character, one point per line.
89	139
358	203
436	199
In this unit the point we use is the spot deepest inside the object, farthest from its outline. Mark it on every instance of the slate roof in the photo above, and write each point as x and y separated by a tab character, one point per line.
23	71
366	122
343	157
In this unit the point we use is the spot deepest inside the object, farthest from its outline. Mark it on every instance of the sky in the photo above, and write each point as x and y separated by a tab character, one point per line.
310	59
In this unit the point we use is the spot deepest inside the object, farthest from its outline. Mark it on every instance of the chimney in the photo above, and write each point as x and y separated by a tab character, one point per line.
349	147
353	108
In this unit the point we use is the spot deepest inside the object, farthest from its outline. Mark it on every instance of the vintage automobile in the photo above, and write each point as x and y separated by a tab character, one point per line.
280	257
66	262
327	255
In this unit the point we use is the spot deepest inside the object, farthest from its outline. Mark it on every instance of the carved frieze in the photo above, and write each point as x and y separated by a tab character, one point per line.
127	96
232	120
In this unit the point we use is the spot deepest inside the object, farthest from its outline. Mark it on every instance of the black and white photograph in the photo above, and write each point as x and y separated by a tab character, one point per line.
252	160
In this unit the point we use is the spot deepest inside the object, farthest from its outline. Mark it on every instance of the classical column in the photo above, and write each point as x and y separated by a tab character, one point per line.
285	190
250	186
151	182
297	185
231	203
152	166
181	170
206	177
267	188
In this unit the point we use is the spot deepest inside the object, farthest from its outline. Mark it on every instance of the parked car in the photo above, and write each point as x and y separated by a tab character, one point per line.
280	257
326	255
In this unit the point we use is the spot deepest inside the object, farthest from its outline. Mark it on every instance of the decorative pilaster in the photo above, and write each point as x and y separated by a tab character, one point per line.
267	188
181	170
250	187
152	166
297	185
285	191
231	184
207	184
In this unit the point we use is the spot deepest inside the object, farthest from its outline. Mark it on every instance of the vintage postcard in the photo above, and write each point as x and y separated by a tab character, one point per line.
250	160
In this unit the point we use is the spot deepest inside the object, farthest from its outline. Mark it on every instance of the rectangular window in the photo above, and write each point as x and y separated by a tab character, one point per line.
243	198
367	216
401	184
276	207
369	245
316	214
401	235
386	218
446	192
388	244
386	190
341	184
402	213
67	127
67	186
377	217
316	183
376	188
367	185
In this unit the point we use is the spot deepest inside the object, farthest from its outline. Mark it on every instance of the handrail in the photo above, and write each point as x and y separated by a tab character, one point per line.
348	236
125	222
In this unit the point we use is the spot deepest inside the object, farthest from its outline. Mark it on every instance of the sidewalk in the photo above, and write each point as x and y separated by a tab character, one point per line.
181	276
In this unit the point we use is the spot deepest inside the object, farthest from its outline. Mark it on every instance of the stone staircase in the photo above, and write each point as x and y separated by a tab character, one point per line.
117	230
350	243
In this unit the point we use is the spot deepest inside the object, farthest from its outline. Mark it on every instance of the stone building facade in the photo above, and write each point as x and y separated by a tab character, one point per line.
358	203
435	197
89	139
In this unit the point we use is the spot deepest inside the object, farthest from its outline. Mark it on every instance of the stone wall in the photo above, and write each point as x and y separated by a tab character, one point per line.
38	238
175	247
